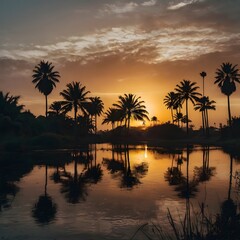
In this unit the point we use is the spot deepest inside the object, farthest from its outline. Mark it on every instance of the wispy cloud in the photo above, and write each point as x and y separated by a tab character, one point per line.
149	3
183	4
119	8
166	44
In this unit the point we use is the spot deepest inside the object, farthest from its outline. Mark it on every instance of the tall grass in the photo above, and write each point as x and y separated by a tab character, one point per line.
195	226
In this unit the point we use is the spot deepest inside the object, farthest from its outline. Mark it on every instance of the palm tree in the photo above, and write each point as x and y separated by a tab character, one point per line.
45	79
203	75
169	102
112	115
56	108
131	106
95	108
74	98
154	120
9	105
178	118
226	77
187	91
203	105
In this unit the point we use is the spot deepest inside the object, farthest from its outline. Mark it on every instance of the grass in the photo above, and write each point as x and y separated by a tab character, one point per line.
196	226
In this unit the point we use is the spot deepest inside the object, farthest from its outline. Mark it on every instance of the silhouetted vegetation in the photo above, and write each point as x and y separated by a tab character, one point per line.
21	130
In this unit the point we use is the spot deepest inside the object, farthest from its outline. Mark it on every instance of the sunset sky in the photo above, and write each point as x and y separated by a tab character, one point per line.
144	47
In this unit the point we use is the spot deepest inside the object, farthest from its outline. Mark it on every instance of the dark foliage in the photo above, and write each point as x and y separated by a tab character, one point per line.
165	131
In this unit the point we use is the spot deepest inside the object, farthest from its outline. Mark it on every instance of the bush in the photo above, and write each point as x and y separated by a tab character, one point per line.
165	131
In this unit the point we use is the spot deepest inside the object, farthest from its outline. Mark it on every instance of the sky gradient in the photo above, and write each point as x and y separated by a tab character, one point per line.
144	47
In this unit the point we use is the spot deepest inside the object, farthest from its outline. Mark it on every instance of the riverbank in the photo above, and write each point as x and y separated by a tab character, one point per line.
50	141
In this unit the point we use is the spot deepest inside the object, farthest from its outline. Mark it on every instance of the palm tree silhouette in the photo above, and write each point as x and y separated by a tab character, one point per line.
177	117
74	98
226	77
9	105
187	91
112	115
45	79
131	106
203	104
203	75
154	120
56	108
95	108
169	101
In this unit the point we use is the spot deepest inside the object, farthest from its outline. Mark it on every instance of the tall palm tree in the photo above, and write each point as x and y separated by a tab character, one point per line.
112	115
203	75
96	107
203	104
187	91
131	106
226	78
74	98
45	79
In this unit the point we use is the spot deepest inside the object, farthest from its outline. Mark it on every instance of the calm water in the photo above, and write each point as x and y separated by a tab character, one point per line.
107	192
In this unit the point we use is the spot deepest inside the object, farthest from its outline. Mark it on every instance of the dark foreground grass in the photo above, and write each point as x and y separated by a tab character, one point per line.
196	226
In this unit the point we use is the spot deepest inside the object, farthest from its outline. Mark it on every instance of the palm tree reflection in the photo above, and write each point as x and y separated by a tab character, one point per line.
8	191
121	168
228	221
205	172
45	209
173	174
75	186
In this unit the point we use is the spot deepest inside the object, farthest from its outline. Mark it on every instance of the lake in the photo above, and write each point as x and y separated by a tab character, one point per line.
107	192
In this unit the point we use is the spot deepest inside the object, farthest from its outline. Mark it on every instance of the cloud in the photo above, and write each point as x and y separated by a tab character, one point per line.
119	8
165	44
183	4
122	8
149	3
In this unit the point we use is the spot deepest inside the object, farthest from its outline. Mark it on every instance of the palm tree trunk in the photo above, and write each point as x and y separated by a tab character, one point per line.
95	123
172	115
46	110
207	123
203	122
75	114
229	112
187	114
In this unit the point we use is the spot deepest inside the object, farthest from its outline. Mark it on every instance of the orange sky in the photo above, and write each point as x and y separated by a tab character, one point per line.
144	47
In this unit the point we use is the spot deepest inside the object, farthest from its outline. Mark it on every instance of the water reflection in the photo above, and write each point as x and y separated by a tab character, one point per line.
74	186
44	209
13	168
185	187
205	172
92	180
121	167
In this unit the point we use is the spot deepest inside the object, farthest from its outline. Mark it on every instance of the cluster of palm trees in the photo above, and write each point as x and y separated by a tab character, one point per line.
128	106
226	77
75	97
